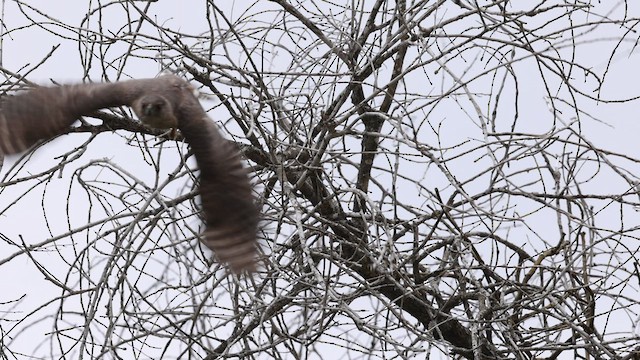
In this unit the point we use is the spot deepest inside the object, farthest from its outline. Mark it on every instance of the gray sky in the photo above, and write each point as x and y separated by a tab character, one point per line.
615	129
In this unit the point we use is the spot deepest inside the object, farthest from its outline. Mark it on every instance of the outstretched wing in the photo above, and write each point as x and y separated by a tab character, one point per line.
45	112
31	116
230	212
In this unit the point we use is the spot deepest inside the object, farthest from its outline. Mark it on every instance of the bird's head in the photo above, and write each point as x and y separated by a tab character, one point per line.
154	110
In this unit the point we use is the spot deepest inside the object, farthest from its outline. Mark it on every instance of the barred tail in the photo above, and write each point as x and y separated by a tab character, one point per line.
232	246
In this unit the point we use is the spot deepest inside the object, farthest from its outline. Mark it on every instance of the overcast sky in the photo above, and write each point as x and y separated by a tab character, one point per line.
616	127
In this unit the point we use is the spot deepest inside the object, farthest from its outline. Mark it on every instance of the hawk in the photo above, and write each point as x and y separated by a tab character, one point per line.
230	213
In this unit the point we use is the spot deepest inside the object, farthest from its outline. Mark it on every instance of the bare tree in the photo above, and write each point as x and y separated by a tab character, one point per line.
432	178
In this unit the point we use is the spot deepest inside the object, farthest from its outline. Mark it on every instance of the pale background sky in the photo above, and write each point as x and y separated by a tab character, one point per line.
617	132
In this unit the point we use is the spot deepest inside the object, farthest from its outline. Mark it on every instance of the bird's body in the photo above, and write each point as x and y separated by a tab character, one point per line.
163	102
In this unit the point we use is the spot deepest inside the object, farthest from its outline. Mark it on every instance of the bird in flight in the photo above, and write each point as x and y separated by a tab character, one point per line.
164	102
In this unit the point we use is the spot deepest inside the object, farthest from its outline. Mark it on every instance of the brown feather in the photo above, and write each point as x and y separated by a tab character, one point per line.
227	202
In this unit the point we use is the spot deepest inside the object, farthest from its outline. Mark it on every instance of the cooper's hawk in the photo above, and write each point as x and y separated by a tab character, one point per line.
164	102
